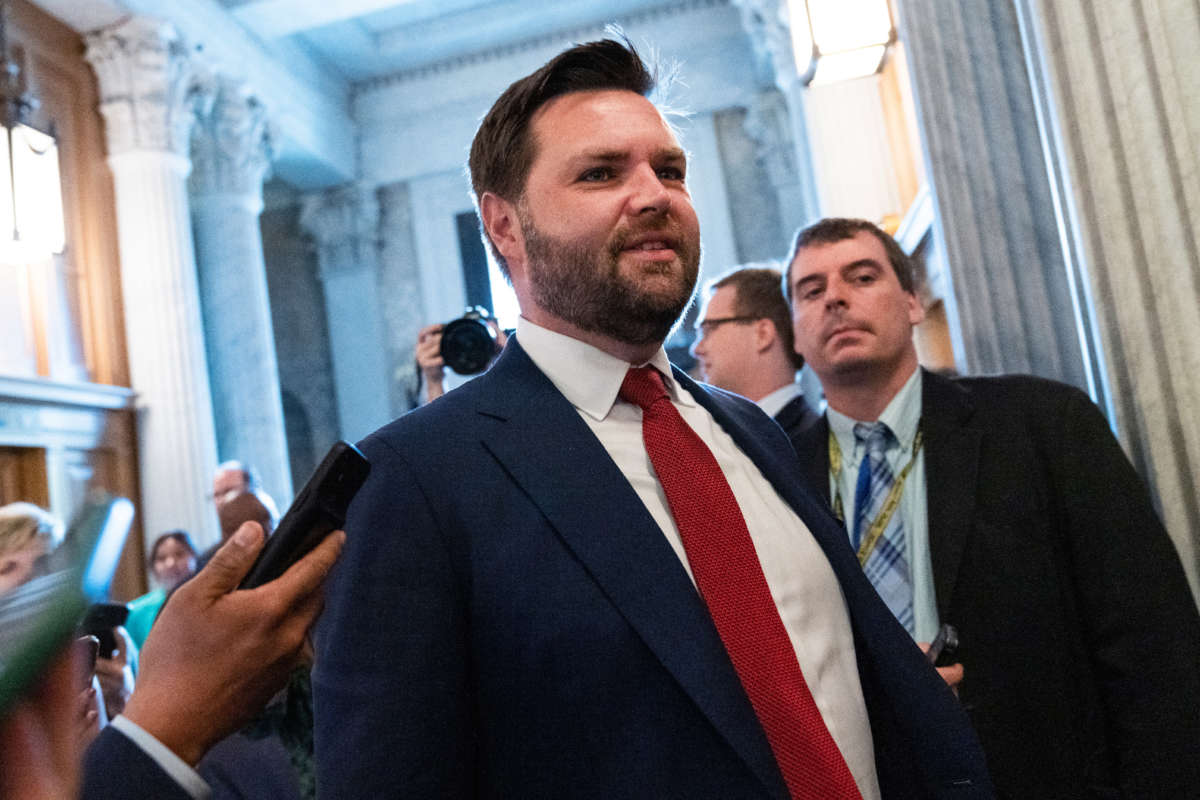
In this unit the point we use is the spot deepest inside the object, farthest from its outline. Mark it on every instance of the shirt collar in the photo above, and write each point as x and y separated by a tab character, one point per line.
773	403
902	416
587	376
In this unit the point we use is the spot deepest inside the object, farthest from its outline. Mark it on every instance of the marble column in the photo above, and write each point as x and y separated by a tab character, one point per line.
1016	305
150	89
765	21
403	310
1122	118
344	223
231	153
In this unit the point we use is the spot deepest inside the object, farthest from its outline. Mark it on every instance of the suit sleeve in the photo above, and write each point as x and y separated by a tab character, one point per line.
390	688
1141	623
115	768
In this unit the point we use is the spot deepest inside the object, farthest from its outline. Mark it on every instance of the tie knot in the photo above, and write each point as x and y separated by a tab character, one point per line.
642	387
874	436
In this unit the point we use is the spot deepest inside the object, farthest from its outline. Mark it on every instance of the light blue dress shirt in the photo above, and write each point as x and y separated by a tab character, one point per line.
902	416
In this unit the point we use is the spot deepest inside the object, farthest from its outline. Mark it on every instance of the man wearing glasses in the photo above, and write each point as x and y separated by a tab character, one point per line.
744	345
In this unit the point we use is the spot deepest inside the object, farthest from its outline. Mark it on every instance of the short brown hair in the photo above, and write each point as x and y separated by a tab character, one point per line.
759	296
503	150
837	229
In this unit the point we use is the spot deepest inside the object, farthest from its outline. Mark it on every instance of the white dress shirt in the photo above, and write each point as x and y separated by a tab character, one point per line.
902	416
801	581
773	403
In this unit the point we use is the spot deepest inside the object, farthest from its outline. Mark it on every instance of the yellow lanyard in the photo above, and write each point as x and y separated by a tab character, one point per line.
890	504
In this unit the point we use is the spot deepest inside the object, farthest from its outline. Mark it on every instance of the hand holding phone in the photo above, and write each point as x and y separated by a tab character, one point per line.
319	508
943	647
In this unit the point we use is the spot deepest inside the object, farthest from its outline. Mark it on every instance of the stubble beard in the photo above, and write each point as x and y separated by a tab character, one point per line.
585	288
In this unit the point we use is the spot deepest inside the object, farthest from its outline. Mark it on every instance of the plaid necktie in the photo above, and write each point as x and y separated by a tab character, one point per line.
887	566
733	587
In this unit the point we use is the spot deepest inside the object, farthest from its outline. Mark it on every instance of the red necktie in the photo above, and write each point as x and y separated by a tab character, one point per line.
731	582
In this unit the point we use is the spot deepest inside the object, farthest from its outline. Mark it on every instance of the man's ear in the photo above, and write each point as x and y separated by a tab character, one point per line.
916	311
503	227
764	334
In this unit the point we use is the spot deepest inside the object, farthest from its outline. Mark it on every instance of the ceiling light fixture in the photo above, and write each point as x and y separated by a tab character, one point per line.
838	40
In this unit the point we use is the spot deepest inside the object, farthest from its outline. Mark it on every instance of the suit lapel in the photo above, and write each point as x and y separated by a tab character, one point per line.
951	474
557	461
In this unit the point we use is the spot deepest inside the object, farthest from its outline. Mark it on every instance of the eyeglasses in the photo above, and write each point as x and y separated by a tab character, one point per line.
705	327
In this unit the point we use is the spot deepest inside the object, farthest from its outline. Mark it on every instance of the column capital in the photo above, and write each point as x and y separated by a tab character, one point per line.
766	23
344	223
233	144
151	85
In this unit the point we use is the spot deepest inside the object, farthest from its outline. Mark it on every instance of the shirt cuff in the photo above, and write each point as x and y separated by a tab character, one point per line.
173	765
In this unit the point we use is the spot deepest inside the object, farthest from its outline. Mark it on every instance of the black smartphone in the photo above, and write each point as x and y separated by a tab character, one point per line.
318	509
101	621
943	647
38	618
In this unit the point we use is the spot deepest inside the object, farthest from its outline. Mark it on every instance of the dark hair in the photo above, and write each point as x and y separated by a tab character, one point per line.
180	536
837	229
759	296
503	150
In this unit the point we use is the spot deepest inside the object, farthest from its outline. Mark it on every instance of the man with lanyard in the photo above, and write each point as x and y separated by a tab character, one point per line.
1005	507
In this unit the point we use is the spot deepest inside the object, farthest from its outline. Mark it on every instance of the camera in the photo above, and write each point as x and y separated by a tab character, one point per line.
469	342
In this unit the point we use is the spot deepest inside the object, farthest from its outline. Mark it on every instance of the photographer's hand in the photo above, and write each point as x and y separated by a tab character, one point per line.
429	360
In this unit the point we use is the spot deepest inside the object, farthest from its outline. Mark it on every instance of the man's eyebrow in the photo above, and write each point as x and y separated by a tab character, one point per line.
602	155
862	262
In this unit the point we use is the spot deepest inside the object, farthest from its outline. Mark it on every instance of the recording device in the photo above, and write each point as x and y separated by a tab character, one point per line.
101	621
318	509
943	647
38	618
469	343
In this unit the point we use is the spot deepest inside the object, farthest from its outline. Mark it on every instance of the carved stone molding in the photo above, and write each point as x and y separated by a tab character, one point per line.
766	23
767	124
151	86
344	223
233	144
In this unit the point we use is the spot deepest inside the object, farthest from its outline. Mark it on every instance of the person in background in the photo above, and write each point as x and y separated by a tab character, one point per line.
1004	506
431	366
27	533
172	561
744	344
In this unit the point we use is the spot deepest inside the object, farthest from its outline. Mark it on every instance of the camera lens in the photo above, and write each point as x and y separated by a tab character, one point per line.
468	345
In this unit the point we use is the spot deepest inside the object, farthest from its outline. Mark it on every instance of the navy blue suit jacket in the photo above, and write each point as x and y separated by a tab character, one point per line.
507	620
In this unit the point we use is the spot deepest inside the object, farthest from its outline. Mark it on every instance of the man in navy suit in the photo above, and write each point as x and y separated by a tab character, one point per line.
744	344
516	613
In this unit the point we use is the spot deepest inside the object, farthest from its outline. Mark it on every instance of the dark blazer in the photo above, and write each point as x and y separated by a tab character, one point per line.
507	620
115	768
1080	640
796	416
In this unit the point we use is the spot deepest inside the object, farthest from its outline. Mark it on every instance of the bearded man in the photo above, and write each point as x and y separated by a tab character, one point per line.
584	575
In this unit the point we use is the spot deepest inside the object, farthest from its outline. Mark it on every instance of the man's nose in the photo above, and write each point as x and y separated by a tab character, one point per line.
835	294
647	192
696	345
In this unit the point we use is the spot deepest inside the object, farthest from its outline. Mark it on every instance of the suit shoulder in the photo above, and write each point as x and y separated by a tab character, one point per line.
430	425
1018	391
